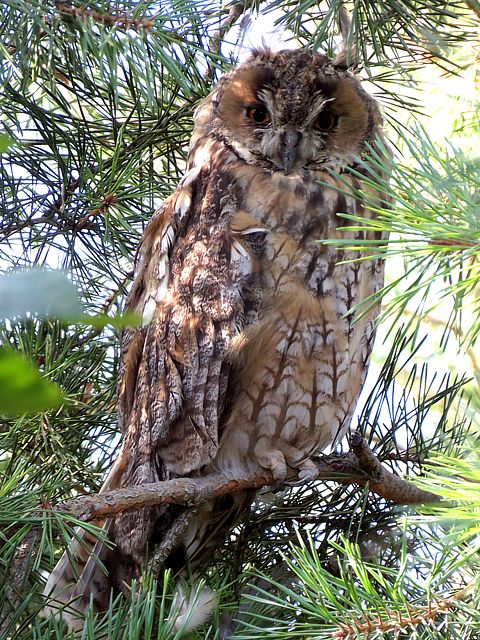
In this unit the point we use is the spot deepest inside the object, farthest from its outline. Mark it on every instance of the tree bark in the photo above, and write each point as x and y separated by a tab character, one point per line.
359	466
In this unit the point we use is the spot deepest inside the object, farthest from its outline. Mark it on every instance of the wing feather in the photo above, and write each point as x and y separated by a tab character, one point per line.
194	278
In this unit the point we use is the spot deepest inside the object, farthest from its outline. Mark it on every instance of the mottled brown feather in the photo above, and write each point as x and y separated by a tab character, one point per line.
250	357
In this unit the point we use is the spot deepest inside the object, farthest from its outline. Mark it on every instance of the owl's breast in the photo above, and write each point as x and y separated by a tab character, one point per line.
300	211
297	204
304	359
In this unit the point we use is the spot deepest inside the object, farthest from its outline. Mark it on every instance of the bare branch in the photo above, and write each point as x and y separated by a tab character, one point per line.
183	491
383	482
107	19
474	6
215	43
360	466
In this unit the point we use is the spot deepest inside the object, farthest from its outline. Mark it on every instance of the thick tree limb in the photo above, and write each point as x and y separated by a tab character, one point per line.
360	466
184	491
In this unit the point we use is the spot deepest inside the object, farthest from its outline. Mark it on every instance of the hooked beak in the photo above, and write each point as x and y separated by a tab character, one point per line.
291	138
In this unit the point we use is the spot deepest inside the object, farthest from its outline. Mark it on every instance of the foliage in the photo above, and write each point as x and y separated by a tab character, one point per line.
317	604
23	388
96	101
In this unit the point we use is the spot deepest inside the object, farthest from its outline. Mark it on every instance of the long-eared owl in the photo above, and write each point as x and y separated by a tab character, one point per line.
249	358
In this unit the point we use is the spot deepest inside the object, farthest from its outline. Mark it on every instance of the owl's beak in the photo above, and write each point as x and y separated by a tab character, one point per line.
290	141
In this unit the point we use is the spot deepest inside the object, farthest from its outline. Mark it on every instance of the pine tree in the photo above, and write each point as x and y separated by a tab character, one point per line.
97	101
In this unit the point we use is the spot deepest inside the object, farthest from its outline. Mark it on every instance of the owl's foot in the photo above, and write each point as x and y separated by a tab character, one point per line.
279	461
272	459
295	458
307	471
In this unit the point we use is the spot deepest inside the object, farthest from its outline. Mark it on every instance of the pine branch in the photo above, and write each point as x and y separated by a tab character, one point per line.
398	621
17	574
108	19
234	13
382	482
360	466
144	139
183	491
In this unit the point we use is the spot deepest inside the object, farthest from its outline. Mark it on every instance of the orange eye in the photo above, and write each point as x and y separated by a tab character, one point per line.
258	114
326	121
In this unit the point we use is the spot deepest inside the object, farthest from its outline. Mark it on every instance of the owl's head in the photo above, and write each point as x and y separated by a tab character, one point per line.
291	110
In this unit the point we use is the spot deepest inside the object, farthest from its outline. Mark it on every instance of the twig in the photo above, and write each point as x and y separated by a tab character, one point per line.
234	12
170	540
9	229
360	466
108	201
383	482
456	244
107	19
475	7
96	331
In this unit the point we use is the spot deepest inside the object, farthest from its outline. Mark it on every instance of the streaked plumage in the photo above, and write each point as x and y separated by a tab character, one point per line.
247	358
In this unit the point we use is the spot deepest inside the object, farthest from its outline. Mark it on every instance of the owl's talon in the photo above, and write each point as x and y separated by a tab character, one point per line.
271	459
307	472
279	486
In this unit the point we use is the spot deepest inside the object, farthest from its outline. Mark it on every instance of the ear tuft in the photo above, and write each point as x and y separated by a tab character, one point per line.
346	58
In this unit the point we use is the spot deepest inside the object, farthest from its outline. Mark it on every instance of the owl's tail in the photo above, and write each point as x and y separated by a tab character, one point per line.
90	568
206	530
80	576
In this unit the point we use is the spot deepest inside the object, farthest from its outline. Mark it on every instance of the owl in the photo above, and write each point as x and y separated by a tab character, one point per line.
252	353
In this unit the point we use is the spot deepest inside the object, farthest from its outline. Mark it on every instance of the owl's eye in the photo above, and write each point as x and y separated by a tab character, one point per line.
258	114
326	121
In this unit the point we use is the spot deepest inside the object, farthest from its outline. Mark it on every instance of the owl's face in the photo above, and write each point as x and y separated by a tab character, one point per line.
292	110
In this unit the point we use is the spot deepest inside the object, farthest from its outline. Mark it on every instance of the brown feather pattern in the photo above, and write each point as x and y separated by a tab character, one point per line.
249	357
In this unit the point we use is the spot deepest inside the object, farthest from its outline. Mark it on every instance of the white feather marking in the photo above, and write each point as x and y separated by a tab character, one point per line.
238	250
194	609
183	202
167	238
148	311
241	259
190	175
162	290
245	232
162	269
201	158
